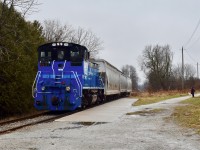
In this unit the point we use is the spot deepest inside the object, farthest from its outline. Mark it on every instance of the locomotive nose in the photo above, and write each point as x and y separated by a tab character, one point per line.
55	101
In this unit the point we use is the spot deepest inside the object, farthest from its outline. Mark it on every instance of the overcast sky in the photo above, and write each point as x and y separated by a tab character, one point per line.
127	26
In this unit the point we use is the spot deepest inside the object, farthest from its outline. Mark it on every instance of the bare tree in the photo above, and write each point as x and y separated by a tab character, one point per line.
177	71
54	31
7	7
88	39
126	71
130	71
11	14
176	78
189	71
156	63
189	76
23	6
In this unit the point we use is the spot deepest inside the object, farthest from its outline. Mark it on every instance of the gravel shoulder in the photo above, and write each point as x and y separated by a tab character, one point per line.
139	132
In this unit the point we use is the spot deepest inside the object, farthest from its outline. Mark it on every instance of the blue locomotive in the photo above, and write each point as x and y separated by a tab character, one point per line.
68	79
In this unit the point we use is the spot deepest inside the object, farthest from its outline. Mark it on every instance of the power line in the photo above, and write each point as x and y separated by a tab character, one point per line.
192	34
191	57
194	42
196	63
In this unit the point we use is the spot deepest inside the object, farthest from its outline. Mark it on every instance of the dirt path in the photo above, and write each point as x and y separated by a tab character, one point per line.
146	131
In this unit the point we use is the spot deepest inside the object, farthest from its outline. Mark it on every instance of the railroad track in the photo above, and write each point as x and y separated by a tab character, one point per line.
13	125
23	118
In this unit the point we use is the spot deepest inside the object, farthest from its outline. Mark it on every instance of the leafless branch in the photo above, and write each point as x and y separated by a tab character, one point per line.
54	31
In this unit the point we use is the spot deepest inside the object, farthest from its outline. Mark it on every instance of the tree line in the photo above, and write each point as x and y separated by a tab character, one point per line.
157	64
19	40
161	74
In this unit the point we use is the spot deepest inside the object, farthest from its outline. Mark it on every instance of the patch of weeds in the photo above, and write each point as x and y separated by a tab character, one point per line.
86	123
89	123
67	128
146	112
79	125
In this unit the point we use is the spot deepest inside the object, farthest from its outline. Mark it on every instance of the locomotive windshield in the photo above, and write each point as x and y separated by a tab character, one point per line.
58	55
74	53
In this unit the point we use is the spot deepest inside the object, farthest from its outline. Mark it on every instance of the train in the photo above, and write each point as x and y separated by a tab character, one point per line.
67	78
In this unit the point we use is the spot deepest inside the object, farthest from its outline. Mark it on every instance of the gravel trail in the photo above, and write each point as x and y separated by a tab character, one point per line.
147	131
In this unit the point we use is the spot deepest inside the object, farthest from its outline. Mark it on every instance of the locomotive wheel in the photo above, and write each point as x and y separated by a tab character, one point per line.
99	100
102	98
84	103
83	106
89	99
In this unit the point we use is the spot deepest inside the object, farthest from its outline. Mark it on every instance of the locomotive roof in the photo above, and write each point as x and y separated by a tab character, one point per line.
61	44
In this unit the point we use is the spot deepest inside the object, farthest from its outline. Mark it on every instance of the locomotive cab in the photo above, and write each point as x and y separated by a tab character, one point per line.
62	52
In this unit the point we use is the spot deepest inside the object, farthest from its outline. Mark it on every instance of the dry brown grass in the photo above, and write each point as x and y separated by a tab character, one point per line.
189	115
146	112
153	97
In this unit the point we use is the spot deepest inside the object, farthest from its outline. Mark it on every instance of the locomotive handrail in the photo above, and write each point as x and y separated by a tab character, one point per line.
36	78
63	68
53	68
80	84
80	93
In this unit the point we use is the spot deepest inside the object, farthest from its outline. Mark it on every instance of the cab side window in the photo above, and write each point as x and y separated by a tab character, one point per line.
42	54
74	54
60	55
49	54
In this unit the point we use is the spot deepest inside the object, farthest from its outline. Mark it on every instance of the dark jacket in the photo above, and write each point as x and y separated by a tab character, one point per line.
192	90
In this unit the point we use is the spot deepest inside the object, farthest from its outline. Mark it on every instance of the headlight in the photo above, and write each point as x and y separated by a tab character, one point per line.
67	88
43	88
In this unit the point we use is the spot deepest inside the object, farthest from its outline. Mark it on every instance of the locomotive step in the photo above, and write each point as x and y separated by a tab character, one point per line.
57	82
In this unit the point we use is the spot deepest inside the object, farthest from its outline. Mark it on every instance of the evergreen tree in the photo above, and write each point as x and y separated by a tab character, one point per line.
19	40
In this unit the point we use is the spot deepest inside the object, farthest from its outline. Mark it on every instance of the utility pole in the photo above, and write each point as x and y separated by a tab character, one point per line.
197	70
182	70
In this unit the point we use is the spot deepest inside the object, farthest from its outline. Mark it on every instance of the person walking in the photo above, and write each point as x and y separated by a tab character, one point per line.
192	91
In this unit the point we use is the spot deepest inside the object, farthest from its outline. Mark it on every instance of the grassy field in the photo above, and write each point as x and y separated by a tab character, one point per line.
148	98
188	115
